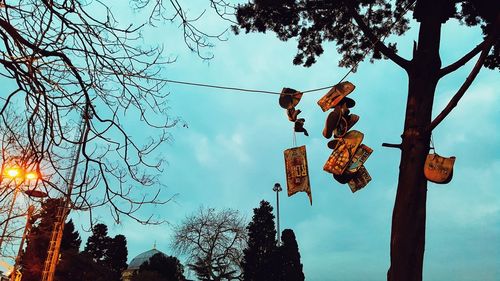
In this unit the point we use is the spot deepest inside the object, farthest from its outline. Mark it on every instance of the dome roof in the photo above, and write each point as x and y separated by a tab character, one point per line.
136	262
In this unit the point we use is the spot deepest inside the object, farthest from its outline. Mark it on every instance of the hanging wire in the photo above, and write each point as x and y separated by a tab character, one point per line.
239	89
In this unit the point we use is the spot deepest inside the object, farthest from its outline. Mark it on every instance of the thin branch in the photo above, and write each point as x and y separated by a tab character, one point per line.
459	63
404	63
456	98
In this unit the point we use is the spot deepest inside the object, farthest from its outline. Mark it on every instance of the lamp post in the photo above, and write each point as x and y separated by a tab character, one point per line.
277	188
16	275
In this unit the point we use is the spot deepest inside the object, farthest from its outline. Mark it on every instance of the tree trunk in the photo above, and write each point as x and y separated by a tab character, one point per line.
409	214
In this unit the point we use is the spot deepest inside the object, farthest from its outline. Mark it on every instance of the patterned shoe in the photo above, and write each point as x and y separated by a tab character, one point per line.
344	152
335	95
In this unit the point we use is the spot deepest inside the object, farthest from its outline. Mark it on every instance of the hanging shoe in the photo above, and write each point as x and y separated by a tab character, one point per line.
349	103
333	144
289	98
344	178
345	125
360	157
332	121
299	126
360	179
335	95
342	155
292	114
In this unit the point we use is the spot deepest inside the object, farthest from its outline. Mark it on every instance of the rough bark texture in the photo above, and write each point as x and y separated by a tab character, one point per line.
409	215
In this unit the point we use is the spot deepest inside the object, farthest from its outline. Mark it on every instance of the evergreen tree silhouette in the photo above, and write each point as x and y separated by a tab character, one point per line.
259	262
290	268
37	241
98	243
116	256
71	240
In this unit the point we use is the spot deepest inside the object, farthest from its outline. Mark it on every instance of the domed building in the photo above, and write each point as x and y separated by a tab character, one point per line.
136	262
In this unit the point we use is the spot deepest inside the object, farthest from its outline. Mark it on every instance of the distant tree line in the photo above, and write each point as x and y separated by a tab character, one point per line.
103	258
217	245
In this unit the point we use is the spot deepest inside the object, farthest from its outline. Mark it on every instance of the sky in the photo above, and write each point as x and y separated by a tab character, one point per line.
231	154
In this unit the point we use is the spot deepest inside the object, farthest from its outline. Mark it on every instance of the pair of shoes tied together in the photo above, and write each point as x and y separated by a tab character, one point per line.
348	155
289	99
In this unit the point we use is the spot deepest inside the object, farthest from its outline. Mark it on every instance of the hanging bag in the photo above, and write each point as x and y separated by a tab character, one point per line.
439	169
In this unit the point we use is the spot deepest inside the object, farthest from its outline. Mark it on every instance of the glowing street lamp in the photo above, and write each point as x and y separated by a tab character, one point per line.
31	176
13	172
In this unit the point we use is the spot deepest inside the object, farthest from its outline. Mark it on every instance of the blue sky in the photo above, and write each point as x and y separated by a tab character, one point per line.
231	154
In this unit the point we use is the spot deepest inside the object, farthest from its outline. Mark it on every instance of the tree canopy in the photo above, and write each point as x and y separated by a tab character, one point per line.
357	27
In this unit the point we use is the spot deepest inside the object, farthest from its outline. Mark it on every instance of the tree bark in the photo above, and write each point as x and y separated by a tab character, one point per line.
409	214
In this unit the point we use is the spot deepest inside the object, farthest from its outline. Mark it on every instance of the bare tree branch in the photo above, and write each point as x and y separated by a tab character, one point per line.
65	61
403	63
468	81
459	63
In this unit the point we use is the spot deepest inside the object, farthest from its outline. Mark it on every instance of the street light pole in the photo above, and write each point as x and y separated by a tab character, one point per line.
14	276
277	188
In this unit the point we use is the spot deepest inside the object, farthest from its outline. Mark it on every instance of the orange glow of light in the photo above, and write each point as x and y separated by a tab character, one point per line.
31	175
13	172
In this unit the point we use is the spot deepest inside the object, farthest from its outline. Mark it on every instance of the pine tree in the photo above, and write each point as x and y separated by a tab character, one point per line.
258	262
37	241
70	248
98	243
290	268
71	240
116	256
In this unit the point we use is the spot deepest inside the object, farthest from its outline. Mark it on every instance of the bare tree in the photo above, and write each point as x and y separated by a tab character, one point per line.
214	242
74	74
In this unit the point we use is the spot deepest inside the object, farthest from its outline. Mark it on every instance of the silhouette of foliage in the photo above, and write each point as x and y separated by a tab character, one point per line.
116	256
314	23
76	266
37	241
98	243
71	240
103	258
259	263
161	268
288	256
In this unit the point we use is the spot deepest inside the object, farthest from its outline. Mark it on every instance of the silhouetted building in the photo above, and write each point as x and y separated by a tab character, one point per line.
136	262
